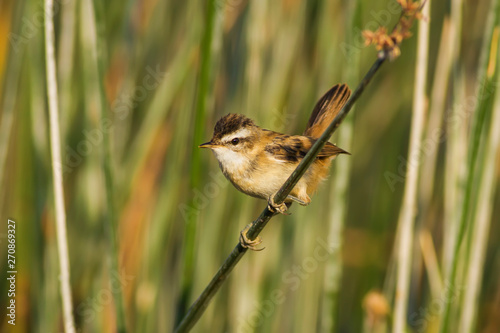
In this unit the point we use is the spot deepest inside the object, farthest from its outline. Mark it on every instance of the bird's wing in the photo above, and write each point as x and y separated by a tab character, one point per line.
292	148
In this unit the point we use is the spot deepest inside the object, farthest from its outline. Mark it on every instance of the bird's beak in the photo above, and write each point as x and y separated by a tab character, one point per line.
206	145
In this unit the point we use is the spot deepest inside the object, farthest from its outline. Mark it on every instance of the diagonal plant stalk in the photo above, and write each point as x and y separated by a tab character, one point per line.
57	177
199	306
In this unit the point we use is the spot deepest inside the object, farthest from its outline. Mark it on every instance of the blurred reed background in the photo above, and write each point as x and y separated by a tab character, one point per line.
171	69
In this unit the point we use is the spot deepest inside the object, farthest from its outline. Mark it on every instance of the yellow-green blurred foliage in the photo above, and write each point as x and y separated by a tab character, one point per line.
270	60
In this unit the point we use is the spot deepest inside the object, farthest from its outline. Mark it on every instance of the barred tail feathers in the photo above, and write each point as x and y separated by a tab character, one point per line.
326	109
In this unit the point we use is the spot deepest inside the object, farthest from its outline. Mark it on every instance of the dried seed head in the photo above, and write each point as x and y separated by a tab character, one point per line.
389	43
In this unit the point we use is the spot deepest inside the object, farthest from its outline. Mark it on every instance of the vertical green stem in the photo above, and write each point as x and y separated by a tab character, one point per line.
483	99
10	87
454	175
408	210
339	195
198	134
112	222
482	217
55	145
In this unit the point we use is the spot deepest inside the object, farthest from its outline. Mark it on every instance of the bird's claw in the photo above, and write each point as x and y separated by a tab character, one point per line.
275	208
248	243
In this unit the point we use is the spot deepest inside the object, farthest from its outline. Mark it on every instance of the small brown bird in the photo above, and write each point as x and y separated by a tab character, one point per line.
258	161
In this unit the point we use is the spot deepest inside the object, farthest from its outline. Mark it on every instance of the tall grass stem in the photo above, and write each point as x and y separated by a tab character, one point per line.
408	210
482	217
339	191
196	167
55	145
484	87
112	224
10	86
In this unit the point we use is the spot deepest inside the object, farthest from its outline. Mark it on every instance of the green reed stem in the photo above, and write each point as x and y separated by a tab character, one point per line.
483	101
57	177
339	191
112	222
196	167
409	204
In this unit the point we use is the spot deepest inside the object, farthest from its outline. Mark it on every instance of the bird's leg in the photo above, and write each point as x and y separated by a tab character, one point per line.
247	243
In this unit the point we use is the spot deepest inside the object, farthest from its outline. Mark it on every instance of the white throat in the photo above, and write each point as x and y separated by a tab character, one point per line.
231	162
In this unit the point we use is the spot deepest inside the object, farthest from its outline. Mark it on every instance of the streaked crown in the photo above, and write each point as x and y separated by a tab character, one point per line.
234	131
231	124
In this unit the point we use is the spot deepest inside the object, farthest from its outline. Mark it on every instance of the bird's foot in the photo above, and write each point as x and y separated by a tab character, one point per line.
248	243
275	208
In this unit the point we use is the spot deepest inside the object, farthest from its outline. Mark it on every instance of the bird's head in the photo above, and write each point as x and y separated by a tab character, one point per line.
234	139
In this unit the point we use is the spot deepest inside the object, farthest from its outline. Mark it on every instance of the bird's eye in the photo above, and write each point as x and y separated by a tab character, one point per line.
235	141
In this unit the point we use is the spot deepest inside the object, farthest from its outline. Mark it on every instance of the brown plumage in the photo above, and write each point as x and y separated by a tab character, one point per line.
326	109
258	161
294	148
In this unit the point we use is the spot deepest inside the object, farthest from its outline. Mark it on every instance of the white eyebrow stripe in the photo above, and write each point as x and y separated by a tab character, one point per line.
241	133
